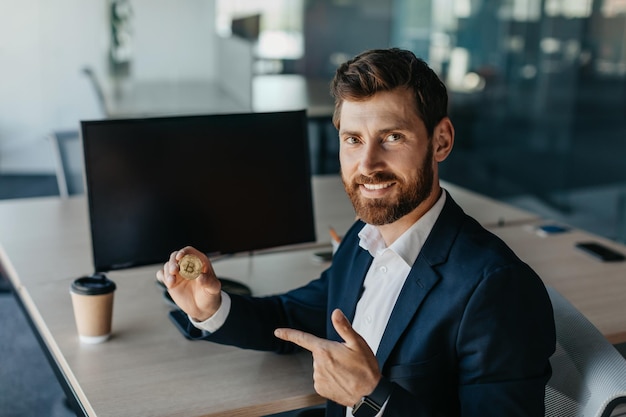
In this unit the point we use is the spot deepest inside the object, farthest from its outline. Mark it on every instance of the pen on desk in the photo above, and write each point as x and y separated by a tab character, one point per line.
334	235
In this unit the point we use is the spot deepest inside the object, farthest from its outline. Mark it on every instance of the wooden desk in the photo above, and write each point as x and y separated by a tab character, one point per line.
147	368
597	289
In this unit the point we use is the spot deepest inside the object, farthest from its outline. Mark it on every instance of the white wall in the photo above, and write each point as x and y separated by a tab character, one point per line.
44	44
236	61
174	40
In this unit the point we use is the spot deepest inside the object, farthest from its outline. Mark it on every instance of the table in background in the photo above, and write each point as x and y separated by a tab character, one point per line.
333	208
270	93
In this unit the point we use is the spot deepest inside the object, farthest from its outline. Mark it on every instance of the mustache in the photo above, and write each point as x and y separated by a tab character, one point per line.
375	179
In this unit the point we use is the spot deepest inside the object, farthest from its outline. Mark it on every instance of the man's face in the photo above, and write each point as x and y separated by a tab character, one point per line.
386	156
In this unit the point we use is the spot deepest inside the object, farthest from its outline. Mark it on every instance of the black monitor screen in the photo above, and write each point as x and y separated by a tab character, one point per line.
221	183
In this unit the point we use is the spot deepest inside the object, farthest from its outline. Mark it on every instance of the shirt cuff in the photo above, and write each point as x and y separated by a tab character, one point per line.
213	323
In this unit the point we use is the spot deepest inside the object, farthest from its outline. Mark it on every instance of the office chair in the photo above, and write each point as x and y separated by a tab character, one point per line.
588	373
103	101
68	153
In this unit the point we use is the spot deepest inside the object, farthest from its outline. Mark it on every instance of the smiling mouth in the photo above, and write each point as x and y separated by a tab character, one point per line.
377	186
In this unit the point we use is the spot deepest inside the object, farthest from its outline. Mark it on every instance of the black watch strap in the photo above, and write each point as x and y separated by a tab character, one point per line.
370	405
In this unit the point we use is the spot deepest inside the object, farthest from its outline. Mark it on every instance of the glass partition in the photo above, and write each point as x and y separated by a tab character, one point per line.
538	98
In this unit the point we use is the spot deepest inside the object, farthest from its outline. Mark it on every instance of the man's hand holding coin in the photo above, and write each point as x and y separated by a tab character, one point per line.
191	282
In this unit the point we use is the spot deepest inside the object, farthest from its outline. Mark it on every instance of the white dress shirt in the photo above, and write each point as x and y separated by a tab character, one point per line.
386	275
383	282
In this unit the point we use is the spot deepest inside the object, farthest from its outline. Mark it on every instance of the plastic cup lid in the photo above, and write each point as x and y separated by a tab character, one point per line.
93	285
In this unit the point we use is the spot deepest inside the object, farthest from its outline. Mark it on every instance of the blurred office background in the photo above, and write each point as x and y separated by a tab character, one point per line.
537	95
537	87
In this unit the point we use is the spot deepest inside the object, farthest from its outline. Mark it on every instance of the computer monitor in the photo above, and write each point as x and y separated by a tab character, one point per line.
221	183
246	27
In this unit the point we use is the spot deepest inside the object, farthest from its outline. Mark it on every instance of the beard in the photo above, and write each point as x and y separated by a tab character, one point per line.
409	195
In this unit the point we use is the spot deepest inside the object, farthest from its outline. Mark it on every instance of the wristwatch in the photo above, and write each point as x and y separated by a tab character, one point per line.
370	405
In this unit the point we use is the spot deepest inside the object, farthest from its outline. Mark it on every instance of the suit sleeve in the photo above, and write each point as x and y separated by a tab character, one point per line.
505	339
252	320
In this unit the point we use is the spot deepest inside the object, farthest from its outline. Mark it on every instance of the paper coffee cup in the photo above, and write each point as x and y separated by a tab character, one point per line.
92	300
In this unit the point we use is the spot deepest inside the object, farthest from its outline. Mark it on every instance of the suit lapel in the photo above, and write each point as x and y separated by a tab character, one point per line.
416	287
422	277
354	283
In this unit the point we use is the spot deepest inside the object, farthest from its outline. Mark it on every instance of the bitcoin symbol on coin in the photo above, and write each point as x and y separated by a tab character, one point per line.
190	267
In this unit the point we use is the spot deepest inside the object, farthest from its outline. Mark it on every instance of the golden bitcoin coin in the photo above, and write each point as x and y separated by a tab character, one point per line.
190	267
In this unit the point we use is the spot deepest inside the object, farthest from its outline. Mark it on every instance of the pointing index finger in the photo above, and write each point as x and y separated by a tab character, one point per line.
300	338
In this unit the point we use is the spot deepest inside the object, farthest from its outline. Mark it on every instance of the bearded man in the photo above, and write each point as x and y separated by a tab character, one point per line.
423	312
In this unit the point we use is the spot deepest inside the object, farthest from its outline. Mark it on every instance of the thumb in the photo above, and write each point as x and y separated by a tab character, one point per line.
345	330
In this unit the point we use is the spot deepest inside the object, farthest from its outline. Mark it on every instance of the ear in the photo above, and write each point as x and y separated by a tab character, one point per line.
443	139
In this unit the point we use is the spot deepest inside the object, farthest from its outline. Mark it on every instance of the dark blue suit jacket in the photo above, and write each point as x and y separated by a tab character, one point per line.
470	334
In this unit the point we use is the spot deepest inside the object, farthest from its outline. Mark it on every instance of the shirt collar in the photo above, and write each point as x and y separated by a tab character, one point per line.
410	243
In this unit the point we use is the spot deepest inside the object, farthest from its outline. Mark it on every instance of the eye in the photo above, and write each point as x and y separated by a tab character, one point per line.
393	137
351	140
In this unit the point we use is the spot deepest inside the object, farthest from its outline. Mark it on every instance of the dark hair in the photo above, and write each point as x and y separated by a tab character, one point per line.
387	69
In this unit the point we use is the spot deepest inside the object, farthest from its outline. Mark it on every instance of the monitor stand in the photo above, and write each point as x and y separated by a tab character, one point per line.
234	287
228	285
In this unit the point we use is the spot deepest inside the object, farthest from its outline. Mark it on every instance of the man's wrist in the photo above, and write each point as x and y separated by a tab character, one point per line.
216	320
370	405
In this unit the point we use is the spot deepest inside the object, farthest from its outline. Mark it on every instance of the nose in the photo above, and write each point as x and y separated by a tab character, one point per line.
371	159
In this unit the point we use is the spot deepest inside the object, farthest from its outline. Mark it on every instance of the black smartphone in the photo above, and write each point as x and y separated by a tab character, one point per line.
550	229
599	251
180	320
